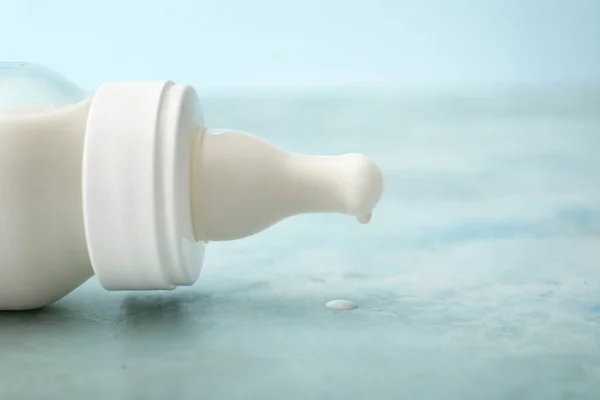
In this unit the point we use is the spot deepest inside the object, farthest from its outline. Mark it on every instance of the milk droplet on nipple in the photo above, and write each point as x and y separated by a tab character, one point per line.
365	218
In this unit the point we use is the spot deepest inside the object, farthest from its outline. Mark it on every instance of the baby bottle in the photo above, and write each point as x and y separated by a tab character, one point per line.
129	185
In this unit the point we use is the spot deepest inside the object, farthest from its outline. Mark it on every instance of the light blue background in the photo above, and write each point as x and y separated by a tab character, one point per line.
477	277
271	43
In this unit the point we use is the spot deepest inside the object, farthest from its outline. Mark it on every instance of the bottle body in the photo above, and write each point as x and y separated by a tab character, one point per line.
43	253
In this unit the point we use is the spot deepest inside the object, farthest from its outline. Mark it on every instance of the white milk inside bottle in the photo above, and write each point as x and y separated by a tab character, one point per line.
43	253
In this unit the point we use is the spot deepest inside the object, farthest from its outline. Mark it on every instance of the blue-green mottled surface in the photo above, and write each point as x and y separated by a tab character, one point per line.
478	277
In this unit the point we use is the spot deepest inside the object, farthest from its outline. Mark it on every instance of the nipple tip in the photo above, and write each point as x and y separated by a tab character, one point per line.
365	218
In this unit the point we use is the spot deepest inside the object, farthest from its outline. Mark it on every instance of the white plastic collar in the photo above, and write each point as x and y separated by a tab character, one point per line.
136	185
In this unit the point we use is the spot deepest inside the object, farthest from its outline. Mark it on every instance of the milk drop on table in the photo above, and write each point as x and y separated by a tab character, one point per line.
344	305
128	184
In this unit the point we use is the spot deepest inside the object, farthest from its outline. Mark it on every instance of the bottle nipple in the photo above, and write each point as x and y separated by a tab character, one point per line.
242	184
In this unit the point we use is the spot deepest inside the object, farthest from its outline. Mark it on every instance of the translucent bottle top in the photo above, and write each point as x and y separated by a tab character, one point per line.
31	85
